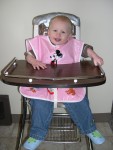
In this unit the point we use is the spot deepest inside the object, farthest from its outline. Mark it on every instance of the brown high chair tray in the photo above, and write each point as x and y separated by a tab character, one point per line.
19	72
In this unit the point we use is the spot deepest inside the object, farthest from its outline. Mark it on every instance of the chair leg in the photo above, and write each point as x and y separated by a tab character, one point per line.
89	143
22	123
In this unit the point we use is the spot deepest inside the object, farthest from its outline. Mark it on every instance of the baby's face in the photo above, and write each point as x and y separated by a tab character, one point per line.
59	32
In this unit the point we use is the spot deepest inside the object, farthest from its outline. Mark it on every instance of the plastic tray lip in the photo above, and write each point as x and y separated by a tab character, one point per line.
6	76
53	79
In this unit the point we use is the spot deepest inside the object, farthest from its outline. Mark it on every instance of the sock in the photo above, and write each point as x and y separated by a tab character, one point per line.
31	143
96	137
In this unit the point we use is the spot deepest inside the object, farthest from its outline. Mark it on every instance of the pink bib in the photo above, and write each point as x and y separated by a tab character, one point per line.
64	54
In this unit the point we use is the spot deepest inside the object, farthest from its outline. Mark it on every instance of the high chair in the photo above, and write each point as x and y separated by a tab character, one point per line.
62	129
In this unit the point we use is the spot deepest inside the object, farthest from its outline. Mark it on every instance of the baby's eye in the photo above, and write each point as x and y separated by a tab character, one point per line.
63	32
55	30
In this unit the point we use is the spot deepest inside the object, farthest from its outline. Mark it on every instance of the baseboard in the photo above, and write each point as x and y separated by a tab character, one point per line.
102	117
98	117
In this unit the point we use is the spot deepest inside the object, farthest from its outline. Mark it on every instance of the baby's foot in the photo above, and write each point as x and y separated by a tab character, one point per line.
31	143
96	137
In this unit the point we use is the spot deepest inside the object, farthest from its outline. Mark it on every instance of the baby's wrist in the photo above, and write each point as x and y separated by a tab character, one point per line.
30	59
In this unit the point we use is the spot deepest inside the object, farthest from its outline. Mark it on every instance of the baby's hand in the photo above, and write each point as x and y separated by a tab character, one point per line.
98	60
35	63
38	64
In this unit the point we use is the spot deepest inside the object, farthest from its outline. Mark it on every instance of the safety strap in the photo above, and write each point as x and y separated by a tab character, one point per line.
55	97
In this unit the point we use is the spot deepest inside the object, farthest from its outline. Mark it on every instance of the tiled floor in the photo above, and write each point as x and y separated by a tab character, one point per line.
8	135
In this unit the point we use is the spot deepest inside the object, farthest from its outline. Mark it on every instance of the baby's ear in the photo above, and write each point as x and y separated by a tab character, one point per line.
70	34
48	32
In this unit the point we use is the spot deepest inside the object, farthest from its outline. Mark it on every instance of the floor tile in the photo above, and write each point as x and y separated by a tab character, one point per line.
6	131
105	129
8	138
7	143
107	145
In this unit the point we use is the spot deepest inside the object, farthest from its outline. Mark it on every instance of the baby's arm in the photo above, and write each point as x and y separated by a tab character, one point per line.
89	52
30	57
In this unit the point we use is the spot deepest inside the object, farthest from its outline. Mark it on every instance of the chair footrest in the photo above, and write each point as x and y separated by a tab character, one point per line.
63	130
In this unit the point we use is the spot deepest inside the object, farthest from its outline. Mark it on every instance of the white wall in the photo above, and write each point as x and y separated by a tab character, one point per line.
96	29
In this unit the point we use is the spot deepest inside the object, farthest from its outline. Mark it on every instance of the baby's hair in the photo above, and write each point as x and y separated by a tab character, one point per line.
62	18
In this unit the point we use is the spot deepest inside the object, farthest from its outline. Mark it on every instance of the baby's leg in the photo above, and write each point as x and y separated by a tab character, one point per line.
81	114
42	112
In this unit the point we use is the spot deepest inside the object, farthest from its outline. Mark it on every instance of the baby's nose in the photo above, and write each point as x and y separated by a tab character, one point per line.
58	34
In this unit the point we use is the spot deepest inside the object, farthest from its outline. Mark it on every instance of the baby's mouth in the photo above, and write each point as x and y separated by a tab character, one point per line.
57	39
